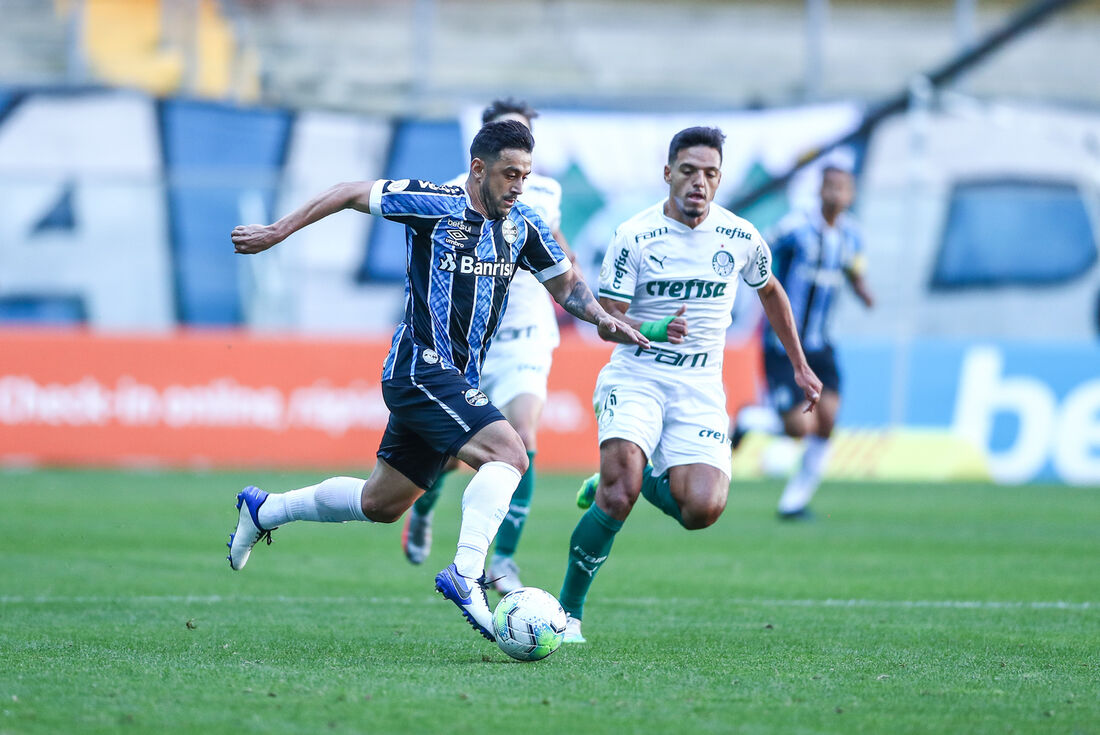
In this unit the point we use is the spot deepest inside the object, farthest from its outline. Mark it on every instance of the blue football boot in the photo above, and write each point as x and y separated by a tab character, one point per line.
469	595
249	531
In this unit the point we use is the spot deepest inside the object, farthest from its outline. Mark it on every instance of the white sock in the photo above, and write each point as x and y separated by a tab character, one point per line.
803	484
815	458
484	505
336	500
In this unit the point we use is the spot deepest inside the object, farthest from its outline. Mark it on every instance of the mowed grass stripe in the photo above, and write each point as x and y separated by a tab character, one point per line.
906	608
623	601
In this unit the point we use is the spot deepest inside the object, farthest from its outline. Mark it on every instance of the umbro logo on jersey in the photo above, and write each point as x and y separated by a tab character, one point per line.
456	237
689	289
736	232
468	265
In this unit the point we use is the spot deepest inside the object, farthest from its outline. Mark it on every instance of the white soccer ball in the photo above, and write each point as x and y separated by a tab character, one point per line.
529	624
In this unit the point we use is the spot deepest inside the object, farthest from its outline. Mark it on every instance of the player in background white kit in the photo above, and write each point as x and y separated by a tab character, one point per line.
675	264
514	375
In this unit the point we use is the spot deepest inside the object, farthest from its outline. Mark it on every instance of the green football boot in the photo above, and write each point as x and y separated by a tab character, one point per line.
587	494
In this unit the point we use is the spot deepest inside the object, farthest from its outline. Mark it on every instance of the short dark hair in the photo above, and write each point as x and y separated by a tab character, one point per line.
507	106
689	137
838	168
495	137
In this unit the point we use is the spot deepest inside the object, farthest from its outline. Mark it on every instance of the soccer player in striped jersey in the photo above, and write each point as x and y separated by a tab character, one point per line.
661	410
815	251
463	246
514	375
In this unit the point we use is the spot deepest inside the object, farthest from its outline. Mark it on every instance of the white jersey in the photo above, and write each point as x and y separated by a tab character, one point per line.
657	265
530	310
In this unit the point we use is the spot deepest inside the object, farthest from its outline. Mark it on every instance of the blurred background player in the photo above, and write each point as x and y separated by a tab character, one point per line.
514	375
680	258
465	243
812	250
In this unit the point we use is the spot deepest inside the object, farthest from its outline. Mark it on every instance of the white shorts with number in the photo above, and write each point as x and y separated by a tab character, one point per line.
675	420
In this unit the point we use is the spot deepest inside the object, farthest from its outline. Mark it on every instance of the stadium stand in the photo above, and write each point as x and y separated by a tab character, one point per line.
430	57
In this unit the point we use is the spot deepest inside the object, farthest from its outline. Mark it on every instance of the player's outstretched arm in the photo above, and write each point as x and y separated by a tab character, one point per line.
251	239
778	310
672	329
573	294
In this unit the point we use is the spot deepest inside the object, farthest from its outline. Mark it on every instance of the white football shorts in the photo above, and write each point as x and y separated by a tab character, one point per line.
675	421
516	366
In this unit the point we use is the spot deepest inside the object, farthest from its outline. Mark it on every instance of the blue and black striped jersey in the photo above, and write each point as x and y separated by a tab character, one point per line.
810	259
457	269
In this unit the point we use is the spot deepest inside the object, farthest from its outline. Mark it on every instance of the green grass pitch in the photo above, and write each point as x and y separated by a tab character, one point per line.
901	609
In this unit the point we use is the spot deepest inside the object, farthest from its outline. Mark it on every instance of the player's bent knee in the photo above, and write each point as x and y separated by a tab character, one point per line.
383	514
518	460
795	427
703	508
497	442
700	515
617	500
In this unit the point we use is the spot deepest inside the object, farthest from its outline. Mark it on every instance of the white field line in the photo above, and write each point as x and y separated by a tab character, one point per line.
636	602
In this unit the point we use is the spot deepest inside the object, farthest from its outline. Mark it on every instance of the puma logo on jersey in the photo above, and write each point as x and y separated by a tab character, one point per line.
689	289
659	261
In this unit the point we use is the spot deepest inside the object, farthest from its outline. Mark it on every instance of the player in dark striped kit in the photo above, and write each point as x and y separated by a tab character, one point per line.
815	251
462	251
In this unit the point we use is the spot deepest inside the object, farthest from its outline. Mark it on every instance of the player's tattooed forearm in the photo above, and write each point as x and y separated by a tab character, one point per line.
581	303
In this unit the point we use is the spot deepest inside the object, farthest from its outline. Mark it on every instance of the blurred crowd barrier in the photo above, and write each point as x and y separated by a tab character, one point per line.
981	224
931	410
231	399
953	409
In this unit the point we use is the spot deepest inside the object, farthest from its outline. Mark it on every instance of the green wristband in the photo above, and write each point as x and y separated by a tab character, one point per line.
656	330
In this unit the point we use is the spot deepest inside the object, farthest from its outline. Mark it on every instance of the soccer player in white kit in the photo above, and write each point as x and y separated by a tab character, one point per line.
661	410
514	374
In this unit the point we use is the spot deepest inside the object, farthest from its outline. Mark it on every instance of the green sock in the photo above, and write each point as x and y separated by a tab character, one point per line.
588	550
657	491
512	526
424	504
